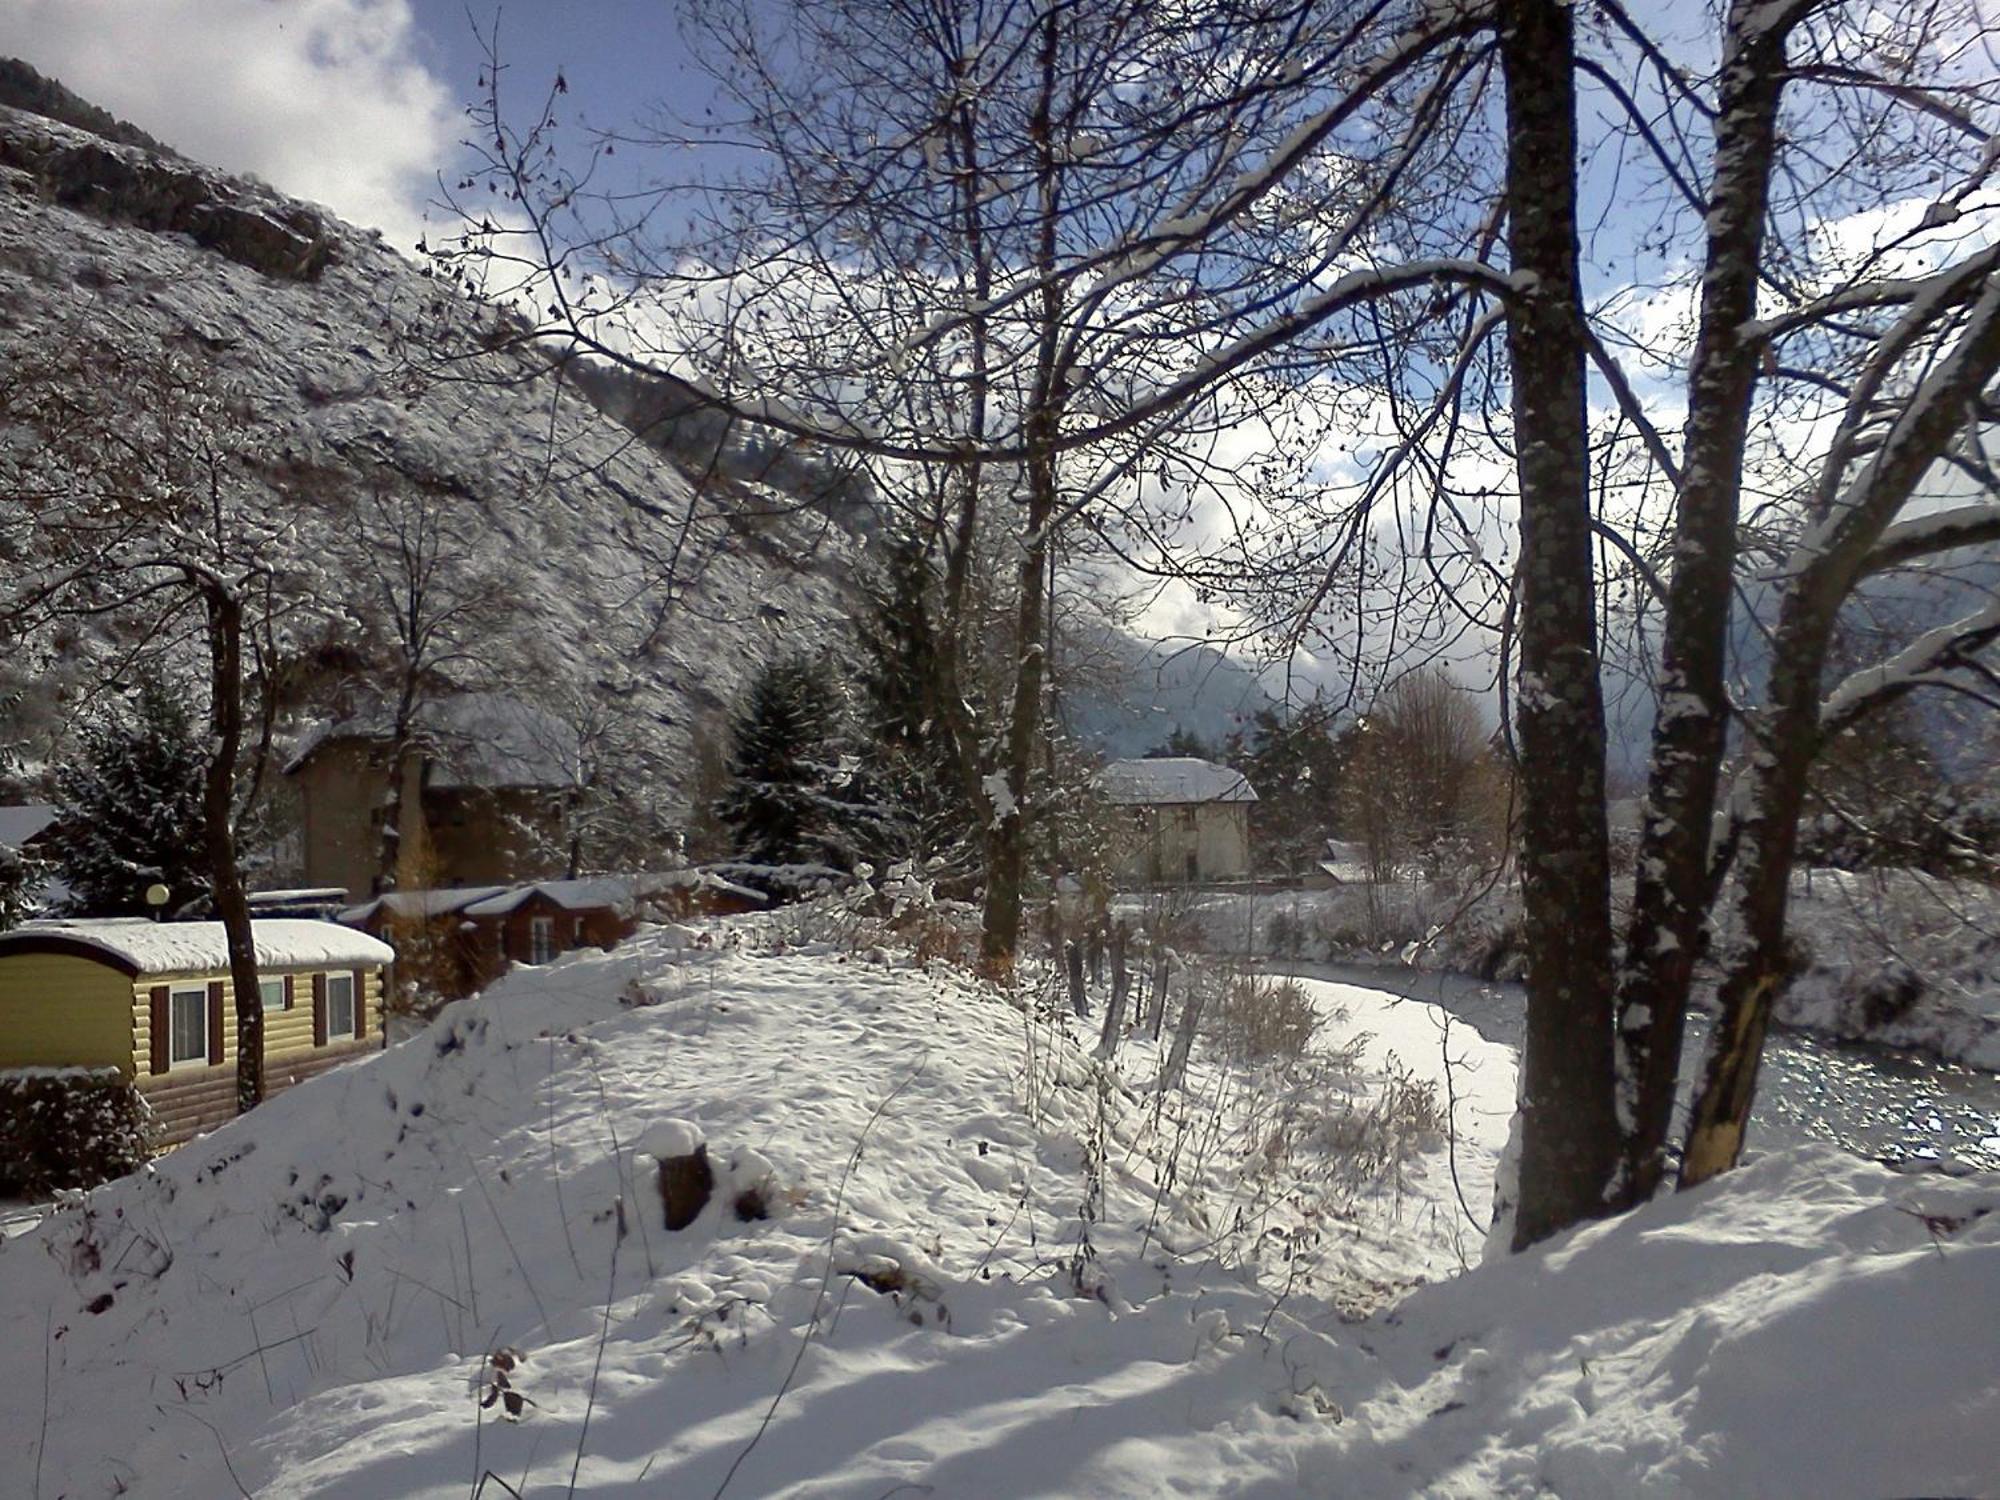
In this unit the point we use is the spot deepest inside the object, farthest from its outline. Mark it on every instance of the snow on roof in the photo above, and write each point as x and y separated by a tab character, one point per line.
1171	780
145	947
587	893
20	823
1347	862
592	892
413	904
476	739
571	895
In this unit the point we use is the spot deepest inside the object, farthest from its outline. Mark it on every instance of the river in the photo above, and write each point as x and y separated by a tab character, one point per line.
1897	1107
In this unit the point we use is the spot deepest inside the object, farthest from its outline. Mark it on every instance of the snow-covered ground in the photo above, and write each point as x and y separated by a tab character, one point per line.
992	1266
1892	957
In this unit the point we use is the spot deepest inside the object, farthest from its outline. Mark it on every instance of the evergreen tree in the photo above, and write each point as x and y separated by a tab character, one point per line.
131	808
1297	765
20	878
909	761
1184	742
20	874
788	800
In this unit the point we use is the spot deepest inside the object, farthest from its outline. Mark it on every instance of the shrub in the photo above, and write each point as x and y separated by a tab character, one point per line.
1262	1019
69	1128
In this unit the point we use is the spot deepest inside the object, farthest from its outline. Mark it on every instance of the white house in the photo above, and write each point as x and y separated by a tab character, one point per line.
1189	819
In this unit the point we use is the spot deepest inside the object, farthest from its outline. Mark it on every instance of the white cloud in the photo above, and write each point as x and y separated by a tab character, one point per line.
323	99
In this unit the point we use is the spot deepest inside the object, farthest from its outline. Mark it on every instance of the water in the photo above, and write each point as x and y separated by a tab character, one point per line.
1898	1107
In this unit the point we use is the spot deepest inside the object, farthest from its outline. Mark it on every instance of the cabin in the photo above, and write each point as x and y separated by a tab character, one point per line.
155	1000
1185	820
453	943
485	796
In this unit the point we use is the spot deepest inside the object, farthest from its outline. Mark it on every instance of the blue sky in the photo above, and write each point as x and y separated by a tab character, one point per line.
356	104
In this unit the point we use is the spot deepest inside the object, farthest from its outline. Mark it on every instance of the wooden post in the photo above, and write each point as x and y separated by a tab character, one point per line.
1121	980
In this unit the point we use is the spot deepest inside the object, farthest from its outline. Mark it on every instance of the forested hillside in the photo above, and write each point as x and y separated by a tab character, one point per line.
343	397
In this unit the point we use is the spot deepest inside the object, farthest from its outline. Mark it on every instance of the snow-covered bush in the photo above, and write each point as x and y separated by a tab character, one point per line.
1261	1019
69	1128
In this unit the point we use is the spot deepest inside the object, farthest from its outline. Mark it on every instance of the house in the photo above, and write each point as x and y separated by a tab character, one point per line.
1187	819
485	796
455	942
30	829
26	826
155	1000
439	950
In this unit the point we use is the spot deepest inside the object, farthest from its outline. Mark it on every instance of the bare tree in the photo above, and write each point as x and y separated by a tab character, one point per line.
1416	761
1013	254
129	507
976	267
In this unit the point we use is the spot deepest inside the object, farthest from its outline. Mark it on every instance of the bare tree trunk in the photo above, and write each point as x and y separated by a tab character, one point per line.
1007	837
1569	1126
1079	999
1671	893
232	905
1822	575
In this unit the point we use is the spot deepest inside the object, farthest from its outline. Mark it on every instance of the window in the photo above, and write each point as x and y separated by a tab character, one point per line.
187	1027
272	993
541	939
339	1005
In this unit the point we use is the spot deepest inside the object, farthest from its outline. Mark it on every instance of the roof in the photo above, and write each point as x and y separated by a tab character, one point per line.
410	905
589	894
1347	862
487	740
20	823
139	946
1171	780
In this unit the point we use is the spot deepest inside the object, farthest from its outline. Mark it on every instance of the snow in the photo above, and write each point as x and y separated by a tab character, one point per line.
1001	795
478	739
668	1139
592	892
410	905
200	947
947	1297
1171	780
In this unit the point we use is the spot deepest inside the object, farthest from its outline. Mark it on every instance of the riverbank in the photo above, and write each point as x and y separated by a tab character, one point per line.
1891	958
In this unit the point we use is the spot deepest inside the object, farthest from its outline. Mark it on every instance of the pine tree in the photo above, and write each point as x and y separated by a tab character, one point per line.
788	800
20	874
909	762
131	808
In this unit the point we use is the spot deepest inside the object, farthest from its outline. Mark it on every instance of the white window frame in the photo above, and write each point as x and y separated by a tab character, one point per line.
198	993
541	940
266	985
335	1030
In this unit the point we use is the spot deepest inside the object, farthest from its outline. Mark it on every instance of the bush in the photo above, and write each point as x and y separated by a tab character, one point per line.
1264	1019
69	1128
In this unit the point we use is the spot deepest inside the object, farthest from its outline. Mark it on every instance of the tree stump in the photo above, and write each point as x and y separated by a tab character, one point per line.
685	1184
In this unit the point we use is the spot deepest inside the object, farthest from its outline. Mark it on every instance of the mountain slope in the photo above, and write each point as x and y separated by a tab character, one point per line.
619	586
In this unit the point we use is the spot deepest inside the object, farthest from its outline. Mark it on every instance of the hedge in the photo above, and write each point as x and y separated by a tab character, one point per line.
69	1128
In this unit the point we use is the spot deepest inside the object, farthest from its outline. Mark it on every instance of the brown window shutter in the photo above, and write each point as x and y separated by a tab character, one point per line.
291	991
160	1022
215	1023
360	1003
319	1010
